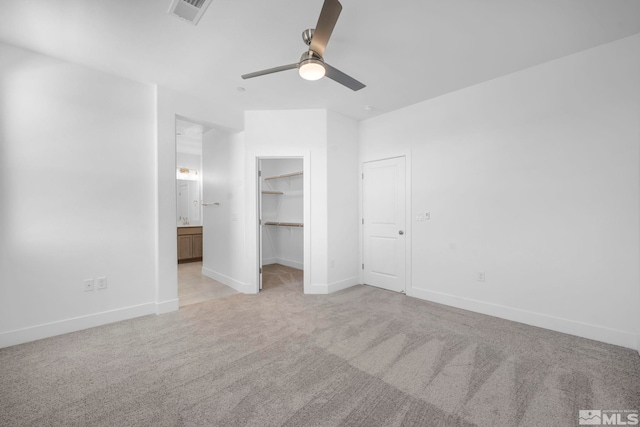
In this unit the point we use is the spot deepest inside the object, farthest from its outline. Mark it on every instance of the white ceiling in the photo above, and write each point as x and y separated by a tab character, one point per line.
405	51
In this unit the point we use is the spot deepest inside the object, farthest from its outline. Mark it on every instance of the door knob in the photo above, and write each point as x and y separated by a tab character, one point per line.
401	232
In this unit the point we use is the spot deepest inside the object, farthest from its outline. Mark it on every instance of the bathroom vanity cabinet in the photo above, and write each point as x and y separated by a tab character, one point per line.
189	244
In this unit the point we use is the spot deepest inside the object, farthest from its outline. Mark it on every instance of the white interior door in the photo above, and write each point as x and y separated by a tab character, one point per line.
384	198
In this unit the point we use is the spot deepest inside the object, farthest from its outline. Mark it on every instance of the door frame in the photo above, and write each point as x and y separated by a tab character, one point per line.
408	286
253	193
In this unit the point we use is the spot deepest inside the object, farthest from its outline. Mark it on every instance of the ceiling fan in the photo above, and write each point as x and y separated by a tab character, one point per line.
311	65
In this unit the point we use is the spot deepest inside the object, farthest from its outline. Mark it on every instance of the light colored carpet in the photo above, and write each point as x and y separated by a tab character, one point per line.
359	357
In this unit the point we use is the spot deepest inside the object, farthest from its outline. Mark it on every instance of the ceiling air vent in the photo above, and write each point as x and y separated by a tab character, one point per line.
189	10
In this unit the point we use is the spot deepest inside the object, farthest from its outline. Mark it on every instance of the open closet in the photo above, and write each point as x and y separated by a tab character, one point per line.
281	216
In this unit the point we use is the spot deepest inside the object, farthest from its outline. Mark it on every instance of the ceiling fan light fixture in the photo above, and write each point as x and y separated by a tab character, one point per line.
311	69
311	66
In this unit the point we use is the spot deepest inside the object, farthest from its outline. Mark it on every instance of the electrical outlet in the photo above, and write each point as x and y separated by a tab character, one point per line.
88	285
481	276
101	282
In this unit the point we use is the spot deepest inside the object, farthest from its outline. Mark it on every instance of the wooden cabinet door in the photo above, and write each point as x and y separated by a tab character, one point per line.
185	247
197	246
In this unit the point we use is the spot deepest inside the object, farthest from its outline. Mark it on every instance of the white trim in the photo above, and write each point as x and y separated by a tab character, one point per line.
258	224
60	327
156	197
408	202
232	283
323	289
251	193
343	284
289	263
167	306
282	261
317	289
360	219
567	326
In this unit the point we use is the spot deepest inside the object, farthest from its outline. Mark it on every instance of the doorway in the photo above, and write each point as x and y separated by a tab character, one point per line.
384	223
193	286
281	223
189	190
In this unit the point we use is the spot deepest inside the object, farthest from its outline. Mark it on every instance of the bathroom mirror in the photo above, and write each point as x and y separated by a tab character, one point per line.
188	198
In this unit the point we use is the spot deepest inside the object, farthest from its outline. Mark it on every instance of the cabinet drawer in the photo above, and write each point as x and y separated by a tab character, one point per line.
184	231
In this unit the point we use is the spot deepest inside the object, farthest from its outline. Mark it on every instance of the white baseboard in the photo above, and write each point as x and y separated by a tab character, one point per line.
232	283
342	284
322	289
288	263
282	261
167	306
567	326
60	327
316	289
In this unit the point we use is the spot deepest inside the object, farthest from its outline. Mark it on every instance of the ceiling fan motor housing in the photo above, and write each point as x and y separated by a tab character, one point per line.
311	56
307	35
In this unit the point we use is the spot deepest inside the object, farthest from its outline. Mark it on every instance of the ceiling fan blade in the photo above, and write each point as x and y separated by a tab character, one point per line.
270	71
326	22
340	77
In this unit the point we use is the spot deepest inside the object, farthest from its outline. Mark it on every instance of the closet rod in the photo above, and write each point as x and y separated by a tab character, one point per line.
284	224
286	175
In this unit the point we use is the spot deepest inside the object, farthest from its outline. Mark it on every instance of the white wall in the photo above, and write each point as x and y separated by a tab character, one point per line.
77	186
532	178
224	234
289	133
327	143
343	208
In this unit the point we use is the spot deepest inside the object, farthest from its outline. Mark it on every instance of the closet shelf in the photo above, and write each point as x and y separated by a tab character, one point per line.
284	224
286	175
271	192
